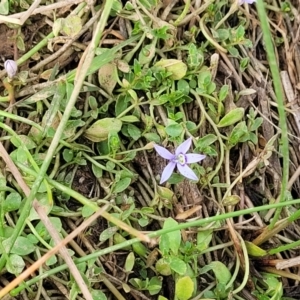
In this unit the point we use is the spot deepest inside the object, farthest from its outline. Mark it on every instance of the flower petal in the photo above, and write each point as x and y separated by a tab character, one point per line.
187	172
163	152
168	170
246	1
11	68
192	157
184	147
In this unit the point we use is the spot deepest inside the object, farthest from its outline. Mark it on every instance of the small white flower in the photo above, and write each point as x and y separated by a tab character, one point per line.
11	68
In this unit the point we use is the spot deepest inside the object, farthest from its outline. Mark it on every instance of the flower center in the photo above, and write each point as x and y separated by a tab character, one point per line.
181	159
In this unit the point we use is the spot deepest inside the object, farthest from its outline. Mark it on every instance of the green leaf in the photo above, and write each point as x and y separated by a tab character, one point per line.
147	210
184	288
233	51
98	172
174	237
41	95
240	32
20	43
155	285
21	156
144	221
178	265
164	244
162	298
221	34
211	88
232	117
87	211
204	239
253	138
223	92
24	140
98	295
244	62
129	262
195	57
137	283
130	119
43	231
152	137
147	53
68	155
140	249
22	246
121	185
238	134
165	193
256	124
174	130
149	3
191	127
206	141
12	202
71	127
162	266
15	264
221	272
116	8
183	86
254	250
44	203
127	212
51	261
108	233
134	131
57	26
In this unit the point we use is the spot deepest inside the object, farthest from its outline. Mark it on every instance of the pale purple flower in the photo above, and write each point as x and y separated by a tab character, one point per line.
179	159
246	1
11	68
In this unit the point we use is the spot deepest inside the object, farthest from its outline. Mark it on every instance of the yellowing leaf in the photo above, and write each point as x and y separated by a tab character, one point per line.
71	25
184	288
175	66
254	250
107	77
100	130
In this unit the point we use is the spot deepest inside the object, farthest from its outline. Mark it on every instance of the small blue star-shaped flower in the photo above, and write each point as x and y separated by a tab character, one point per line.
180	160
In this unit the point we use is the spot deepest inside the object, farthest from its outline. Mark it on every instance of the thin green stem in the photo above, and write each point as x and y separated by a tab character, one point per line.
213	125
247	267
184	12
158	233
35	49
20	119
284	248
280	102
60	129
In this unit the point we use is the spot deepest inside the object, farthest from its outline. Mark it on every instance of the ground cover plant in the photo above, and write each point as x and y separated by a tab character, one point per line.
149	149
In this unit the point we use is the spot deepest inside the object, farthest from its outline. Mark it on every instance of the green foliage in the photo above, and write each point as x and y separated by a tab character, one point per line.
274	289
160	85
